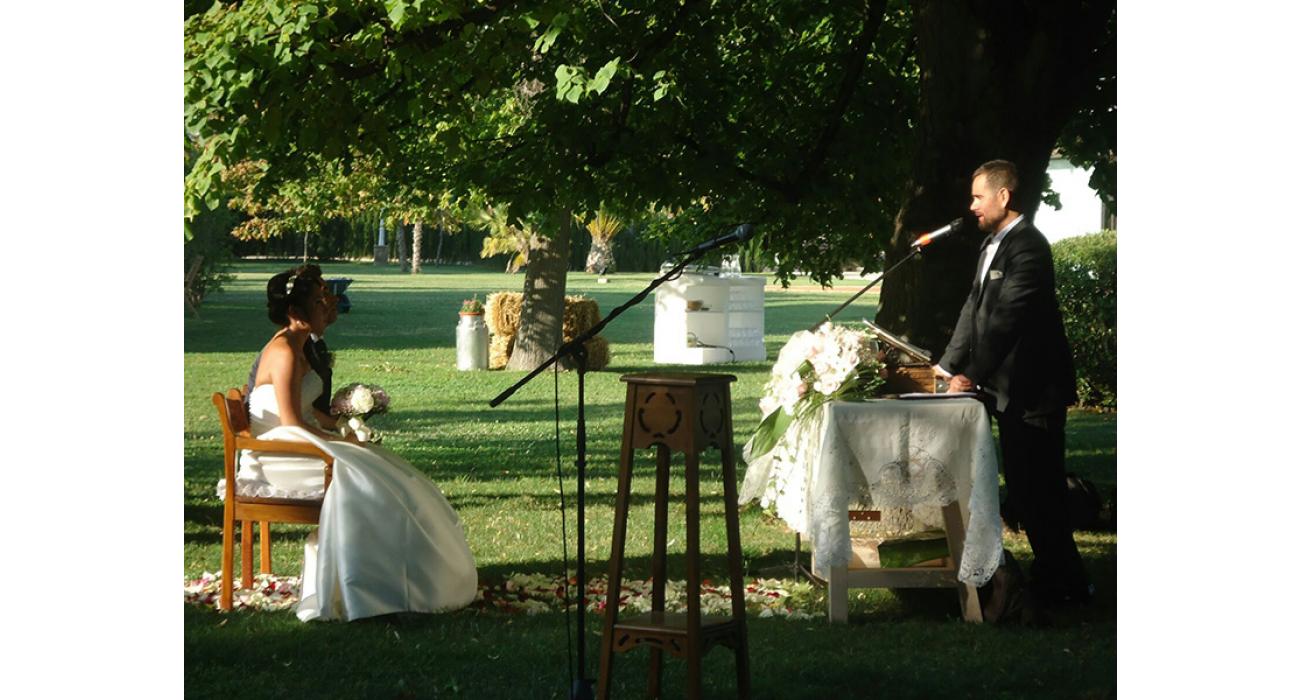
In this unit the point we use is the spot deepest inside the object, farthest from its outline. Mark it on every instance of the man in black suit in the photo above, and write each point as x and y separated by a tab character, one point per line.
322	361
1010	343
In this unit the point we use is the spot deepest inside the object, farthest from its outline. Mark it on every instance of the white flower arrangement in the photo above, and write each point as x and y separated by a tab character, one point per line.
832	362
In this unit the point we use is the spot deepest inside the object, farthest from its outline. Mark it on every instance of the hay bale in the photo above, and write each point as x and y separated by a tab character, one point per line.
502	312
499	350
580	314
597	354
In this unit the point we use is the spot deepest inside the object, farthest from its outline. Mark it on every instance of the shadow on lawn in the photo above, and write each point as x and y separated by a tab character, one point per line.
394	320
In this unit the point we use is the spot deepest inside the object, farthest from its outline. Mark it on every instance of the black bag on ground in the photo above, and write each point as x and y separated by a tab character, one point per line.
1087	512
1006	597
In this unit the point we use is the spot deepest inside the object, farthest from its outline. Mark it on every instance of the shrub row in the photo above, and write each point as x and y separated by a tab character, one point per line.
1086	286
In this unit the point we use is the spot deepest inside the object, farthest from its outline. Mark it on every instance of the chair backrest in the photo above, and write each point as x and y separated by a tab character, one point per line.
234	421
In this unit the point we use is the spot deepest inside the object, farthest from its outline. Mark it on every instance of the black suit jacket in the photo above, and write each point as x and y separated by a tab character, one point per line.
319	357
1010	339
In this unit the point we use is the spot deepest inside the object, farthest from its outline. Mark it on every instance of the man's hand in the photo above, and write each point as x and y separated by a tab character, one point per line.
960	383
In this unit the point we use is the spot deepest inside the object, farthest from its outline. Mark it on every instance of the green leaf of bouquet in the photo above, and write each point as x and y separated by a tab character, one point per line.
770	431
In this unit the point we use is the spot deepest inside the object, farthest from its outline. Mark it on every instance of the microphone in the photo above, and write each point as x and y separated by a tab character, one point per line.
927	238
741	234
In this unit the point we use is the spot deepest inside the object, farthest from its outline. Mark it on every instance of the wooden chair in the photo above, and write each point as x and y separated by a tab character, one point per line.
247	510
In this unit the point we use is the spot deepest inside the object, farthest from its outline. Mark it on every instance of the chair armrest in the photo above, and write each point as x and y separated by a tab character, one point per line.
289	447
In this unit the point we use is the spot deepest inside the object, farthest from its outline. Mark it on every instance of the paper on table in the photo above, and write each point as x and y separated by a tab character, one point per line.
954	395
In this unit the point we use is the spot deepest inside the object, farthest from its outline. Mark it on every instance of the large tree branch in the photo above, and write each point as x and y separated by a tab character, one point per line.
640	57
712	156
855	61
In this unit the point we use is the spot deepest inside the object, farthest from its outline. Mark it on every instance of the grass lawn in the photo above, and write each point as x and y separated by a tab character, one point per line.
497	468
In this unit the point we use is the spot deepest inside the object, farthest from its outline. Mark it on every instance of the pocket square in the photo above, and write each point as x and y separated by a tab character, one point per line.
995	274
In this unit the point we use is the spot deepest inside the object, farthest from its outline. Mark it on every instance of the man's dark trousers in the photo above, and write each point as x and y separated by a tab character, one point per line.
1033	462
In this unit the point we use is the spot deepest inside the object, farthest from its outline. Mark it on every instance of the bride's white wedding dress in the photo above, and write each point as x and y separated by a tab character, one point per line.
388	540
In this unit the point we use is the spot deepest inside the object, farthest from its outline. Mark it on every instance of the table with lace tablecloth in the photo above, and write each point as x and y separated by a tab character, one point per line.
923	463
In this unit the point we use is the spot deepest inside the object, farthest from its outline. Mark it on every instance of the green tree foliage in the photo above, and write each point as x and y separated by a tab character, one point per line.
1090	138
208	254
791	114
809	118
207	247
506	235
1086	284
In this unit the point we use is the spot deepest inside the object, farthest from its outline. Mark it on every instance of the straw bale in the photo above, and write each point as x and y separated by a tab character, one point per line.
502	312
499	350
580	314
597	354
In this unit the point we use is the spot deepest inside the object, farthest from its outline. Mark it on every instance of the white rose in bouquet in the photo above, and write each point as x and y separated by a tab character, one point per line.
363	400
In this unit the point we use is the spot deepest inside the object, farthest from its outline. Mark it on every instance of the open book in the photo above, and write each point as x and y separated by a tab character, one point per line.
955	395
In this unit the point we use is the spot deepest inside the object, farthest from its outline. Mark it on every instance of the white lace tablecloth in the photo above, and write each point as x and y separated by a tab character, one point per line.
910	456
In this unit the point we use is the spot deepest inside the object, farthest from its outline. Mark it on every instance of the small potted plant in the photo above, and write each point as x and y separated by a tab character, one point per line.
471	307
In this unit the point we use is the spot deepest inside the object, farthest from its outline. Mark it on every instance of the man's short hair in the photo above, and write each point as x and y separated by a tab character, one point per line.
1000	173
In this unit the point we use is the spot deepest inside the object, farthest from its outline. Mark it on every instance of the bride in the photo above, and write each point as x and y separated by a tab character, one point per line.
388	540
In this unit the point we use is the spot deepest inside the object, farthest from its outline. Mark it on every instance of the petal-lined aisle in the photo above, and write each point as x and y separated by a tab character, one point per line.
538	593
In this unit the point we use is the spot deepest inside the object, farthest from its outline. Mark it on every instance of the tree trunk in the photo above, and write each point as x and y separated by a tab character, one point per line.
416	234
601	258
437	257
993	85
542	317
399	232
305	236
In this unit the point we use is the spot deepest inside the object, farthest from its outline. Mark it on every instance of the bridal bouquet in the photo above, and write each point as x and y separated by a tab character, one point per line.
830	363
357	402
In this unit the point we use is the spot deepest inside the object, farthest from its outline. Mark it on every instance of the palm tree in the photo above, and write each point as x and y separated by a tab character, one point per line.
602	228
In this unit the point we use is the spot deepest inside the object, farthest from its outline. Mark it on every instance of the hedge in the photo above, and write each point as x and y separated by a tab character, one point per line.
1086	287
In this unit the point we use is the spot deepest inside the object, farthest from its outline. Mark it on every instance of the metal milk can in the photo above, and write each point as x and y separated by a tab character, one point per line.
471	342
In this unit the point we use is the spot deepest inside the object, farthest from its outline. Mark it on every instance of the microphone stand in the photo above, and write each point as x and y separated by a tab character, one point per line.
576	348
915	251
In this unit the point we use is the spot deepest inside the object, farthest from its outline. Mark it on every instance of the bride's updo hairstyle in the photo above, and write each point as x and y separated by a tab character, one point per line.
292	289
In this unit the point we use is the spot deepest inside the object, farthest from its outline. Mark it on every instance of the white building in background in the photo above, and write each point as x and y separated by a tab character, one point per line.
1081	210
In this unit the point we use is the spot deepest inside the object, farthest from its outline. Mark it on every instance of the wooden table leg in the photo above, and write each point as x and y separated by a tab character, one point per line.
658	561
694	662
734	555
837	594
615	581
967	595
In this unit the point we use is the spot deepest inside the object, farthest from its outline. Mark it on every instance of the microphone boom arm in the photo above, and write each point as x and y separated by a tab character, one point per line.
841	307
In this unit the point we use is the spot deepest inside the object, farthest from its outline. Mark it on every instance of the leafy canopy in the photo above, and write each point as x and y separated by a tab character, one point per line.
793	115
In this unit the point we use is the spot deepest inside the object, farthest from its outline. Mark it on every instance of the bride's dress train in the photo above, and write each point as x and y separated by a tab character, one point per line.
388	540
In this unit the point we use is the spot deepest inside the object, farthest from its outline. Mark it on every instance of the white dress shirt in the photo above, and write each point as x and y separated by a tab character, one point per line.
992	250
